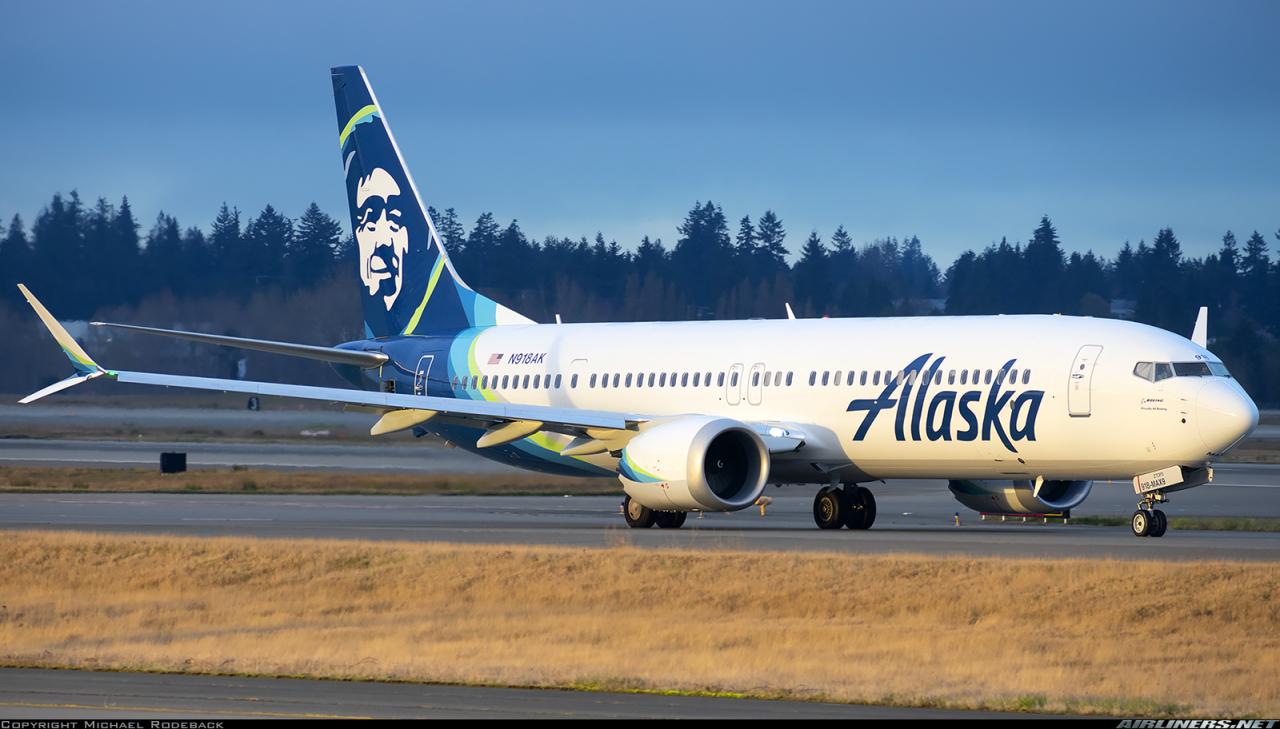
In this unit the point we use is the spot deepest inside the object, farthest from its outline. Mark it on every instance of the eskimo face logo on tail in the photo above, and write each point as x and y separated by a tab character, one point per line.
381	235
1000	414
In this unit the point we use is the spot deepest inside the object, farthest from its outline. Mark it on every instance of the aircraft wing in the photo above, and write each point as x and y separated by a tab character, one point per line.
505	421
595	431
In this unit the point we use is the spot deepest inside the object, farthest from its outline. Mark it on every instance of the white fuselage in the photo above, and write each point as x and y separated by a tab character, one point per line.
1069	407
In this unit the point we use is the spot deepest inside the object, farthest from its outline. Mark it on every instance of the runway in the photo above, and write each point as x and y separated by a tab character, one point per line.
914	517
47	694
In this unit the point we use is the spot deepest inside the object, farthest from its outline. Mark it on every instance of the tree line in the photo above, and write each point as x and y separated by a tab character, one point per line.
91	261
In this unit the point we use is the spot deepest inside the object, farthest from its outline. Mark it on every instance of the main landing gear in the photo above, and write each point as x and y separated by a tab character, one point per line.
852	506
639	516
1149	521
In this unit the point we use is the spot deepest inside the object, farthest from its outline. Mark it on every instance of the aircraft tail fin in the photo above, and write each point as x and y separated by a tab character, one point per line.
408	284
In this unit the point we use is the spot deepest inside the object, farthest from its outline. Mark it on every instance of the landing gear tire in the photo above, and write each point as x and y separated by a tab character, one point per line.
1159	523
859	507
638	516
669	519
1141	523
829	507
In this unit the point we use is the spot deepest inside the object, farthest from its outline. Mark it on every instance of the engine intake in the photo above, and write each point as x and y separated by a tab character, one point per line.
1020	497
695	463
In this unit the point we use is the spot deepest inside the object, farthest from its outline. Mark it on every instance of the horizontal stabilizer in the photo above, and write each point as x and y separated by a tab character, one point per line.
288	349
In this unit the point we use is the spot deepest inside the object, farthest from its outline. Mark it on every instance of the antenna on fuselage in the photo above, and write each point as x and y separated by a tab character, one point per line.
790	314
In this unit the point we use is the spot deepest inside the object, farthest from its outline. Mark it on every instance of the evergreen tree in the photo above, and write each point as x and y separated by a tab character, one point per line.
811	275
266	242
15	260
1044	264
311	251
226	244
771	249
701	255
163	258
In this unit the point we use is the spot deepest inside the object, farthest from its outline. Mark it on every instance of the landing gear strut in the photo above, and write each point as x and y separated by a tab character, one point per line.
852	506
1149	521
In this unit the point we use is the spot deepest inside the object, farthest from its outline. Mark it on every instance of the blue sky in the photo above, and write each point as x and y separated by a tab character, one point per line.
960	122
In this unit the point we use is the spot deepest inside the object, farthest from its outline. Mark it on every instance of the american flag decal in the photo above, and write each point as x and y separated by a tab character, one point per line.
495	359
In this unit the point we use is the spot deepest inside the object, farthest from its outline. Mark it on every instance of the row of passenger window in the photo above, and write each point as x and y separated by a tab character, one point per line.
617	380
1156	371
952	377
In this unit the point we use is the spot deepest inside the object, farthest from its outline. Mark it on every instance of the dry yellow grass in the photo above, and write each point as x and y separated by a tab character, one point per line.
1119	637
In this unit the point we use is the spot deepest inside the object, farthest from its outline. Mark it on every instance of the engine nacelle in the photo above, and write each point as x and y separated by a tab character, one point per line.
695	463
1020	497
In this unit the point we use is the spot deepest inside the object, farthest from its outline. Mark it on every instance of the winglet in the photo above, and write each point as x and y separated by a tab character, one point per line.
80	359
1200	335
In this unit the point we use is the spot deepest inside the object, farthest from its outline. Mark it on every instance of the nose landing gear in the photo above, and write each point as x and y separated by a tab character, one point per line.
1149	521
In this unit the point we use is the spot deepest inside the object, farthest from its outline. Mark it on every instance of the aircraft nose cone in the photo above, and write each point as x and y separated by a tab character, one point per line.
1225	414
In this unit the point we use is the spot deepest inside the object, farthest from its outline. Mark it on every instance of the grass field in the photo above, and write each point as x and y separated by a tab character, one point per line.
241	481
1044	635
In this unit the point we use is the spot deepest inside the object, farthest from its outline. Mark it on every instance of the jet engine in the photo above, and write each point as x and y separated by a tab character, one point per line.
695	463
1020	497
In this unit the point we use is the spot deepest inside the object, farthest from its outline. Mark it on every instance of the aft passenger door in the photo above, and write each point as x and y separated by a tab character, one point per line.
420	375
1080	380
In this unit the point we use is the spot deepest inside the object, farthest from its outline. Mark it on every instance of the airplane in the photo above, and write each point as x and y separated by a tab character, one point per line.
1019	414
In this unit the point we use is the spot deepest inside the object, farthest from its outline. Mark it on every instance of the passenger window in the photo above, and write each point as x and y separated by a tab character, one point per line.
706	381
977	376
964	377
652	376
720	380
593	380
662	379
684	379
768	378
537	382
835	378
733	380
988	378
575	381
628	382
862	379
1026	376
813	378
951	377
876	380
697	377
937	377
506	382
755	379
825	377
789	374
526	382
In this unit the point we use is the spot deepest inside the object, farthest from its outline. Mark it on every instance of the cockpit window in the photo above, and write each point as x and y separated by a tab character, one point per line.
1191	369
1157	371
